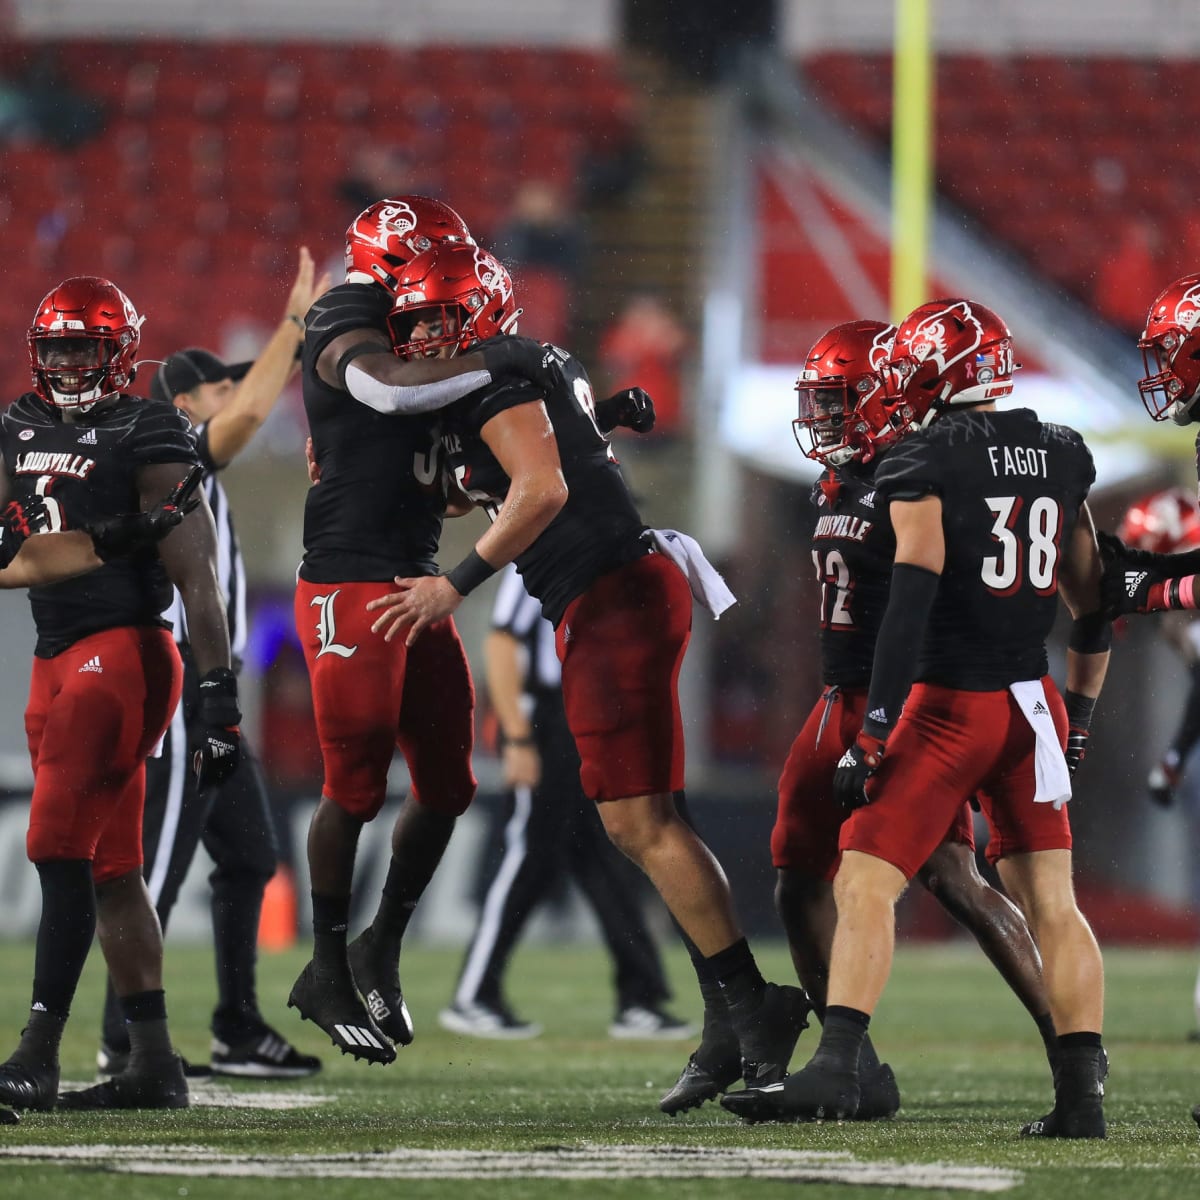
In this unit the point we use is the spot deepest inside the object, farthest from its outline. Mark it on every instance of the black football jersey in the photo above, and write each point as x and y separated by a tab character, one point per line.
378	509
598	529
1011	488
87	469
852	551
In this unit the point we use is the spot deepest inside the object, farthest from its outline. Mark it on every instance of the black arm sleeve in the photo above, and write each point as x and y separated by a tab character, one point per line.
901	636
1188	733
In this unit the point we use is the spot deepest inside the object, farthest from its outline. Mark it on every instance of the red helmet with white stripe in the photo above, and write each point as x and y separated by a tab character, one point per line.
384	238
1170	346
1163	522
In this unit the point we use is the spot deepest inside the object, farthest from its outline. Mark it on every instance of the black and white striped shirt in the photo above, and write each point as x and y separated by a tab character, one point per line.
231	569
518	614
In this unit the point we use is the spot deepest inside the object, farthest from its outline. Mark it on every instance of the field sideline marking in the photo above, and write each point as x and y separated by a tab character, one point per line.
584	1162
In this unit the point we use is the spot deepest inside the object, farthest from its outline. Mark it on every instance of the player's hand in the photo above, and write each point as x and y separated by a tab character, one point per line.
510	357
115	537
862	759
1164	779
1076	749
416	604
310	460
631	408
18	522
1129	575
218	750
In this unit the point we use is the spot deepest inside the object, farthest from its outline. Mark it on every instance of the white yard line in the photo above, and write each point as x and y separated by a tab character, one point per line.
567	1163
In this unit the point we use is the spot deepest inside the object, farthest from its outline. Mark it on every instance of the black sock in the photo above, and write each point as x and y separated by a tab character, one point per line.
236	909
868	1059
1045	1024
396	907
841	1038
331	916
40	1039
737	974
146	1023
65	932
1071	1041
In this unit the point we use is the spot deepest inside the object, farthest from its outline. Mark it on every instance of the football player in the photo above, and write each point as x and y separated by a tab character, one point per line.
991	523
1137	580
840	391
536	460
106	679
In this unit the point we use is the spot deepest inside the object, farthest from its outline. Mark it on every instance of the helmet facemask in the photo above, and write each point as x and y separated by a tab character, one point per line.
1171	385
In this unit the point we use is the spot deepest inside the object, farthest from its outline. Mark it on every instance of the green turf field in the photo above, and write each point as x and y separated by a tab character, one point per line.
577	1113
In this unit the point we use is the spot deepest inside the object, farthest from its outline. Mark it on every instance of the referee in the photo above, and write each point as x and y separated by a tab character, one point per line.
226	405
552	828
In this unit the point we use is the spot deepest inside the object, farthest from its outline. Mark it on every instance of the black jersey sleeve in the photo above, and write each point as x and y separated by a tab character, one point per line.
210	464
161	433
1085	465
498	398
910	470
342	308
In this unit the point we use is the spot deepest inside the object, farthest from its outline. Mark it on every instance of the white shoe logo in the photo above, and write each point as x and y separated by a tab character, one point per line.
92	664
355	1035
376	1006
1133	580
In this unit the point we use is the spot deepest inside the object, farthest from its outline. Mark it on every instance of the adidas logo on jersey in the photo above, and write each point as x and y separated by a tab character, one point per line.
88	438
1133	580
1039	709
868	501
878	715
92	664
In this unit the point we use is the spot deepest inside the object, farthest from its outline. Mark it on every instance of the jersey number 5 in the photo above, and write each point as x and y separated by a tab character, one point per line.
1032	557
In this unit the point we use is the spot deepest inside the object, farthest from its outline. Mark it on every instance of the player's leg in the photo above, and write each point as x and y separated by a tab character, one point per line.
356	702
628	635
435	731
952	877
240	839
530	861
138	690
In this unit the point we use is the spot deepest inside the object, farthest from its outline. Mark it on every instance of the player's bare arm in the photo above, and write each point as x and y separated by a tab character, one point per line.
189	554
522	439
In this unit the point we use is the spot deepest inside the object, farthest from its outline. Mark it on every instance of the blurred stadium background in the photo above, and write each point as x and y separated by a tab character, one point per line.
688	193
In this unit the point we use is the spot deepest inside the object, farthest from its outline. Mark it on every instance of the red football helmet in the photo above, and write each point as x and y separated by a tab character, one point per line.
1170	347
841	372
1163	522
83	342
946	354
392	232
464	288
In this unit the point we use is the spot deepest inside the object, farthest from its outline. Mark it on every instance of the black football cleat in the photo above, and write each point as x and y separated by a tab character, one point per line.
814	1093
698	1082
21	1087
379	985
331	1002
164	1086
879	1095
768	1031
1078	1121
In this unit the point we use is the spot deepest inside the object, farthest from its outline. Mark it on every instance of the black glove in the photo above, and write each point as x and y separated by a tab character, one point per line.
1164	779
219	747
631	408
17	522
115	537
509	357
1076	748
861	760
1129	575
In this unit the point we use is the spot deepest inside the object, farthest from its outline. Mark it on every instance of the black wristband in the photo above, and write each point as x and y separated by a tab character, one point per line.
1079	709
470	573
1091	634
219	698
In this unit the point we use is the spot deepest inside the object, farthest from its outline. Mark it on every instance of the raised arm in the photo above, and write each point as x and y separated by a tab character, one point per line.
232	427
